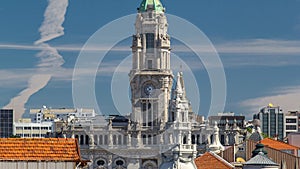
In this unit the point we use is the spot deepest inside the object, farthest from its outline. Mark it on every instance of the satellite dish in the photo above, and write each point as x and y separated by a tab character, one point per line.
240	160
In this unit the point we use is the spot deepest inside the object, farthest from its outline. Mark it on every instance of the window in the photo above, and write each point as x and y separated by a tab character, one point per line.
150	66
100	139
291	121
27	128
81	140
36	128
149	139
119	162
96	139
291	127
114	139
184	140
101	162
120	140
144	139
105	139
87	139
150	42
241	149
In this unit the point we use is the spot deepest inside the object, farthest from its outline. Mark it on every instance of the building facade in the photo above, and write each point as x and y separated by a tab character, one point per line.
291	122
230	127
162	131
6	123
272	121
32	130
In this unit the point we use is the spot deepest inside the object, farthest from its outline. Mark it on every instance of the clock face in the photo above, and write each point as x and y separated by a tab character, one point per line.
149	89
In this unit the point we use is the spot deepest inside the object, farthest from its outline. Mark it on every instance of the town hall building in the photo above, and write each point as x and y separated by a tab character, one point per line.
161	131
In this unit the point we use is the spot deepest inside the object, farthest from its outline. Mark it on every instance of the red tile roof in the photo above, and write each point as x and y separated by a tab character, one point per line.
39	149
279	145
212	161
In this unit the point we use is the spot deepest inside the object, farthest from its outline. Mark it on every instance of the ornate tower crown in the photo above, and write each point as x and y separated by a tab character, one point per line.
151	5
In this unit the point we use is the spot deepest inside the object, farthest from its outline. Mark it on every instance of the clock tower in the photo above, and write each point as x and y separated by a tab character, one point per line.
151	78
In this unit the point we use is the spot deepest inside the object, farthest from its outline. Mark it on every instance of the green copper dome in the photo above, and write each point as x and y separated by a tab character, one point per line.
156	5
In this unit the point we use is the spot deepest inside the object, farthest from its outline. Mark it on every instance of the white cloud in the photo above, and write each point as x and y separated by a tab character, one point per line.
287	98
247	46
260	47
54	16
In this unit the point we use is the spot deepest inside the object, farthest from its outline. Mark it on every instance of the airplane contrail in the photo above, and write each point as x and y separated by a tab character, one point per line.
50	59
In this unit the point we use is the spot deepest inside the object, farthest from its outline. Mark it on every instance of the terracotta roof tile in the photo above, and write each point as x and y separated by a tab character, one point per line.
39	149
279	145
211	161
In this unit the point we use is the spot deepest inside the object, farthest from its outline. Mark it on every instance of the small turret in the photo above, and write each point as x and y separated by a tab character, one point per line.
216	145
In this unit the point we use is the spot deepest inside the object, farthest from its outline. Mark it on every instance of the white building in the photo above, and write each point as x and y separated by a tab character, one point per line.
32	130
49	114
43	121
160	132
291	122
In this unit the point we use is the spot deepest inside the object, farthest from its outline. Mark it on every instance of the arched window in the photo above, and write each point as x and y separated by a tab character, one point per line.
87	139
149	139
119	162
184	140
81	139
150	164
198	139
173	116
106	140
100	140
96	139
114	140
144	139
101	162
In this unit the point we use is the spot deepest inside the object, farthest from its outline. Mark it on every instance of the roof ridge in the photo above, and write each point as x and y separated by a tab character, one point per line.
221	159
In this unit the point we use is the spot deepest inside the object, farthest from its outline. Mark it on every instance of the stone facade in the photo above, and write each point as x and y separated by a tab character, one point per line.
159	133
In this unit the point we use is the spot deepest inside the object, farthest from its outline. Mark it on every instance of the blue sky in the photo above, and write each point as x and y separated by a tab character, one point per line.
258	42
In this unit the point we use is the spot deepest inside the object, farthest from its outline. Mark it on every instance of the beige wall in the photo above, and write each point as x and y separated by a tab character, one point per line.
36	165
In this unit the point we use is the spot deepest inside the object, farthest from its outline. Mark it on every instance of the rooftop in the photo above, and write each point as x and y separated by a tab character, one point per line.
279	145
210	160
261	160
39	149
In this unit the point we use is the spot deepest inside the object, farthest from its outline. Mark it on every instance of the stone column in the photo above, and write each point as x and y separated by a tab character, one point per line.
129	140
189	139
